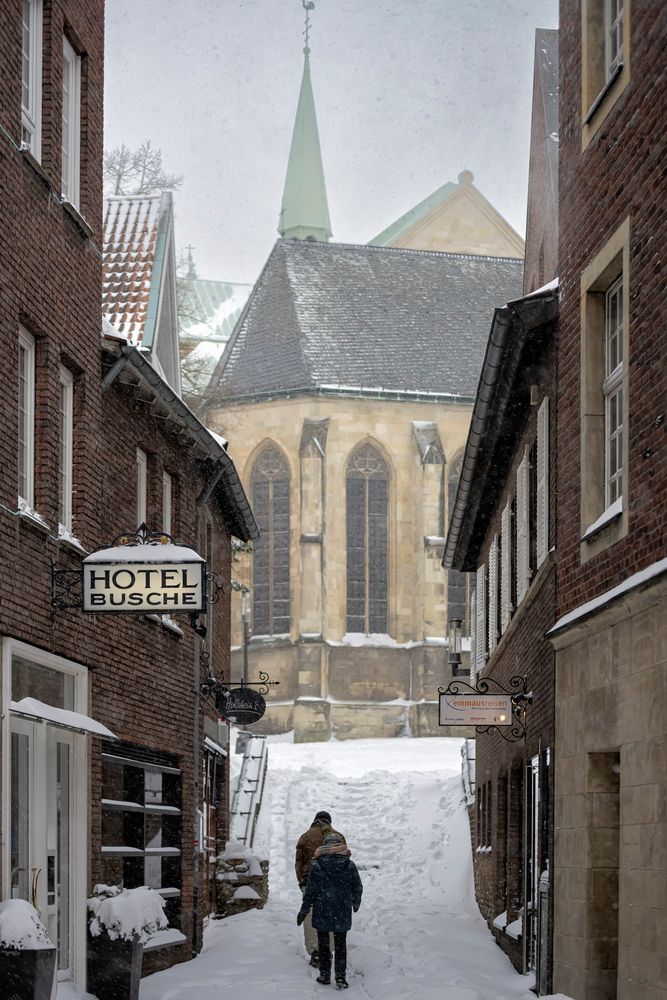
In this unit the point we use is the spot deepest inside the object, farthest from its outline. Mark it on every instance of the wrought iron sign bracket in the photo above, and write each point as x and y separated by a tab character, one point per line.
520	698
264	683
66	588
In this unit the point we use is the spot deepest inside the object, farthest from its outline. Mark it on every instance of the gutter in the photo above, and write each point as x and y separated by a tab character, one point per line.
246	527
504	320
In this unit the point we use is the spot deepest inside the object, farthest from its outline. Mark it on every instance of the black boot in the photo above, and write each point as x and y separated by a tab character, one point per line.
341	983
324	978
315	959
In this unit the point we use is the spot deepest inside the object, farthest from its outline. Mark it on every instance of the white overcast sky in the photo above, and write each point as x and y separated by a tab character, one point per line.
408	93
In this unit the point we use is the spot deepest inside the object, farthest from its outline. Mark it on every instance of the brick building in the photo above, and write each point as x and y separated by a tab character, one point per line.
501	528
94	441
610	921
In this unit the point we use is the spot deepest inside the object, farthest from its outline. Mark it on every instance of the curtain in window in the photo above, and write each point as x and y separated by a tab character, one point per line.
271	551
367	495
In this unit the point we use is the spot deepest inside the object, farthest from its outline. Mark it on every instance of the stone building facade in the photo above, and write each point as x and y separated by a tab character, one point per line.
94	439
351	374
610	928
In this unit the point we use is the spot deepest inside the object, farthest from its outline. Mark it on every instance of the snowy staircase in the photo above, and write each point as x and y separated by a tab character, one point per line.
249	790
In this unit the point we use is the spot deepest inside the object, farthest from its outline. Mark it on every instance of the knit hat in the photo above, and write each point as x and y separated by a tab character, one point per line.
331	839
323	815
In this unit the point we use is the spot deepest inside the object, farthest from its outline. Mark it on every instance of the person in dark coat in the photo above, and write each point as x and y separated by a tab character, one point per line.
305	852
333	890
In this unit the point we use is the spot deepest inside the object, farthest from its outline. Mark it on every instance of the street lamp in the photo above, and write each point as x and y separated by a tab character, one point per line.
455	625
245	618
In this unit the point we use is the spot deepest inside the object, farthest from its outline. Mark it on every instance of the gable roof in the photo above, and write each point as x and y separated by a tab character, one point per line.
139	276
442	222
401	226
332	318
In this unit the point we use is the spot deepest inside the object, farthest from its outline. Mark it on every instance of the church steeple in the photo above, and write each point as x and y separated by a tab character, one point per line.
304	214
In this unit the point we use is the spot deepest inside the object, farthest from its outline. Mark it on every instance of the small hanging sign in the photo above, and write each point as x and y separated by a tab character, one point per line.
475	710
242	706
487	705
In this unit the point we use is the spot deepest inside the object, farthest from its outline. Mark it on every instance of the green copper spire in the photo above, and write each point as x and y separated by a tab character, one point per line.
304	214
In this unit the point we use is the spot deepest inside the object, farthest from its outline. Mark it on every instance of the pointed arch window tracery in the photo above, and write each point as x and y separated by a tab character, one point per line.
367	510
271	552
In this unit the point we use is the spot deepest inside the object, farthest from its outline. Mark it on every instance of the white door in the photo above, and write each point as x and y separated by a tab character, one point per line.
42	828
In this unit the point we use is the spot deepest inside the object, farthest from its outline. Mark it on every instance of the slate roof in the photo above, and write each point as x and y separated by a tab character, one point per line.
133	225
332	317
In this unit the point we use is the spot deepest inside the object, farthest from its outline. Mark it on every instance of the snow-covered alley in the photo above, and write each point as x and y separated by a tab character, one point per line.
418	932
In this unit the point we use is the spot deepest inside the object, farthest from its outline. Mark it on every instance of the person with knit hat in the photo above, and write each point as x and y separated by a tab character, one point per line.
333	891
307	844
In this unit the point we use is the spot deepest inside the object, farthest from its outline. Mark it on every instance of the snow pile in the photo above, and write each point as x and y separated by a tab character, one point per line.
126	913
418	934
20	927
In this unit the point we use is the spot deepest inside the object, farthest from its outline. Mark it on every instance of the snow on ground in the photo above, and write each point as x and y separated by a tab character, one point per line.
418	933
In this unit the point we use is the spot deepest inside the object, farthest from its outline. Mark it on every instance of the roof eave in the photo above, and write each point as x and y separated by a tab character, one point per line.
511	324
243	522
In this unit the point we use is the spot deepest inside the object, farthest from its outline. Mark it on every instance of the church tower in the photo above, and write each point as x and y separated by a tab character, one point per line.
304	213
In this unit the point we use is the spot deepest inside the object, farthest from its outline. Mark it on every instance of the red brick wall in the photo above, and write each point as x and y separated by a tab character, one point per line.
522	650
620	174
141	675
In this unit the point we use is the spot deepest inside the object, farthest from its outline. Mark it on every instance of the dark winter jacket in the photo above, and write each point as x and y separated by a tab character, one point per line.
333	890
306	847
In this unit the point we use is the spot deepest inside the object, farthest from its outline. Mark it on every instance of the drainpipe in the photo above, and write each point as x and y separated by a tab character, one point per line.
202	499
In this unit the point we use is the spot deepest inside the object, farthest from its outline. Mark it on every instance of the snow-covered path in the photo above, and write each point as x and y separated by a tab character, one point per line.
418	933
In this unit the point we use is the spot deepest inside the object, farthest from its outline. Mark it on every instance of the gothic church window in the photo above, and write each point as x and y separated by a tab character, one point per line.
271	551
457	582
367	495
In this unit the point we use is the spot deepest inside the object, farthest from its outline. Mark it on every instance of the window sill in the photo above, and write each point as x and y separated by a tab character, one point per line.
66	537
608	517
603	93
74	213
31	517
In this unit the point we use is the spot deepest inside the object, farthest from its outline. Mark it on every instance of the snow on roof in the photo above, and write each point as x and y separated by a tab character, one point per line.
130	235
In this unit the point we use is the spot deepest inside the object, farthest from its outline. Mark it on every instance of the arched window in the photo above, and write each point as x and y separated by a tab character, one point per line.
457	583
367	482
271	551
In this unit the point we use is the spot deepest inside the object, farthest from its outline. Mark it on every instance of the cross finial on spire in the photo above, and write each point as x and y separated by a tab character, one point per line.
307	5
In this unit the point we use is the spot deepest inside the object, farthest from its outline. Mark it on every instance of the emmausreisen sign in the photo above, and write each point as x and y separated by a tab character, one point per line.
159	579
475	709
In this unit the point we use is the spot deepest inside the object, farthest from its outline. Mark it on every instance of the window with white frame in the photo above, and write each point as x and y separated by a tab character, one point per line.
31	77
613	17
66	449
142	480
612	390
166	502
71	123
506	567
523	527
492	620
480	618
542	484
26	419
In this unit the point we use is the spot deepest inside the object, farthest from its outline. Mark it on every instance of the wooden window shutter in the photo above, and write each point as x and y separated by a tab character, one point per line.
506	568
480	636
522	537
493	595
542	505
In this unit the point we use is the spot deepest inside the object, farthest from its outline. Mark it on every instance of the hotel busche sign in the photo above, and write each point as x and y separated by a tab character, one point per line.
131	579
